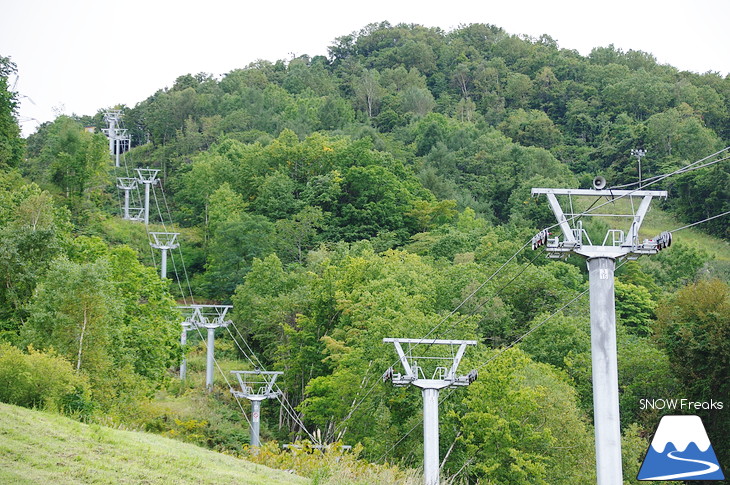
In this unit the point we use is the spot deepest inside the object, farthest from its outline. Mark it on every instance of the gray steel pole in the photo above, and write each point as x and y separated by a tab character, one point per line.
184	362
116	150
112	135
126	204
255	422
146	203
605	371
430	436
163	264
209	365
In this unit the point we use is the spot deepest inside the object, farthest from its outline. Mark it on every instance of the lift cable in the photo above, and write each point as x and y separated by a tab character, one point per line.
686	168
259	365
531	331
225	378
177	277
496	294
182	260
354	407
700	222
172	254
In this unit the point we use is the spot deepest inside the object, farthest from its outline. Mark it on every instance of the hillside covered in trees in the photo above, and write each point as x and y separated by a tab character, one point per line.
380	191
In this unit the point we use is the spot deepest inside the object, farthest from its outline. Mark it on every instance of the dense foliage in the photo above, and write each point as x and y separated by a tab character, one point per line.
338	200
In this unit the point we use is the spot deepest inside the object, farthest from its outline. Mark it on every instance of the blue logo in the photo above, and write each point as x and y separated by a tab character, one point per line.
680	450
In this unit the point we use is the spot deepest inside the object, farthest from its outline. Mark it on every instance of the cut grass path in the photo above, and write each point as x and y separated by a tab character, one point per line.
38	447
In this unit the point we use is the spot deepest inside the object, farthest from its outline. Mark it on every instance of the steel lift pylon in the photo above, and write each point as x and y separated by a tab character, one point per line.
601	259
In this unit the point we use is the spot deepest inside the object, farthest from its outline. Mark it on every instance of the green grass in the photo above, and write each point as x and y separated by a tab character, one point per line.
38	447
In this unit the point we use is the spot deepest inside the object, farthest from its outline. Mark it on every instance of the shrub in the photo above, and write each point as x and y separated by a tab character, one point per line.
329	467
42	380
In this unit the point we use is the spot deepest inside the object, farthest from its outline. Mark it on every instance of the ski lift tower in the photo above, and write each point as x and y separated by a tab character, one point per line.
601	259
444	376
186	327
118	138
256	385
164	241
209	317
127	184
148	177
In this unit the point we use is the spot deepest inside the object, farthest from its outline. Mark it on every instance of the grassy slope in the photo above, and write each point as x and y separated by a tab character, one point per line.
37	447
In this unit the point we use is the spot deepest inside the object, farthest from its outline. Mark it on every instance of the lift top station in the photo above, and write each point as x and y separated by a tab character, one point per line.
601	259
443	376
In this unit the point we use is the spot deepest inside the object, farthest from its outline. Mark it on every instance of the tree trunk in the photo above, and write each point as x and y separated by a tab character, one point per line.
81	340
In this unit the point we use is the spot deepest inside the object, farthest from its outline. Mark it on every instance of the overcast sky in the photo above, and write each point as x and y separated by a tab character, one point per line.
79	56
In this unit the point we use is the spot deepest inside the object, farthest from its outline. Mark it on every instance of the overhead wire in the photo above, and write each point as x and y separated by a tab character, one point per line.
177	277
182	259
700	222
259	365
473	293
197	328
423	340
498	292
652	180
287	406
182	292
172	255
530	332
687	168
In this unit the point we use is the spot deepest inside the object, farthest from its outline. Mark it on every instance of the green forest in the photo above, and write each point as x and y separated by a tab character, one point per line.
380	191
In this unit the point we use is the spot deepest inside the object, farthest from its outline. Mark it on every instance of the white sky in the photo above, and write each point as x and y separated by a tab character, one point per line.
79	56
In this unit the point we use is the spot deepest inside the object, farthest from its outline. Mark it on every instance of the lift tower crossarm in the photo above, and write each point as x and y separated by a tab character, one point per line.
626	246
614	194
148	177
265	381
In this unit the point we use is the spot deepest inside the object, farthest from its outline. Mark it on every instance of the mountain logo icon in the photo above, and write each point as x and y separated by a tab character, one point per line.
680	450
